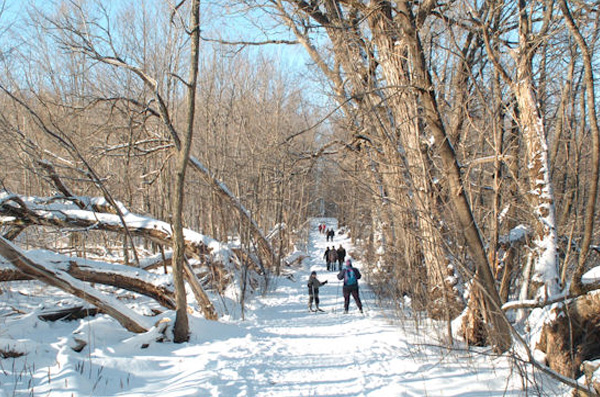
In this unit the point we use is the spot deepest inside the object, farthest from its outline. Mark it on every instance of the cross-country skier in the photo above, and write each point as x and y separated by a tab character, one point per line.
350	275
313	291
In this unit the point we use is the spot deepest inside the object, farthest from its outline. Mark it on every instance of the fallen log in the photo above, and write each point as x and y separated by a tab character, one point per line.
570	335
62	213
159	293
204	302
119	276
12	274
69	314
57	278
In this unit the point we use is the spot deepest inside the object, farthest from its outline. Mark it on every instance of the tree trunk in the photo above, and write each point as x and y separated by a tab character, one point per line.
545	273
443	298
59	279
499	330
572	337
181	329
206	306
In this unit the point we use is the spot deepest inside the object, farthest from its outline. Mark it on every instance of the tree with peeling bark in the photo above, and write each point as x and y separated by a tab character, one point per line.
545	280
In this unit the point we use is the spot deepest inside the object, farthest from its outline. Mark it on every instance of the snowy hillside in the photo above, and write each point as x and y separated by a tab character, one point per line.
279	349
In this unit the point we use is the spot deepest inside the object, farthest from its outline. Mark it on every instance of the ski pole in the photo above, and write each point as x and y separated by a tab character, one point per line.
337	294
312	286
365	302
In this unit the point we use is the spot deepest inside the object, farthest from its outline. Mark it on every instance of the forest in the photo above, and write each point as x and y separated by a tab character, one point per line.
150	146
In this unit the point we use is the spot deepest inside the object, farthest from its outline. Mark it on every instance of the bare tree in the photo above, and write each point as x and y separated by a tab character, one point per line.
576	283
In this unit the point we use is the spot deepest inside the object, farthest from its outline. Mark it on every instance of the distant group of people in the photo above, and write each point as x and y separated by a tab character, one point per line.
329	233
332	256
349	274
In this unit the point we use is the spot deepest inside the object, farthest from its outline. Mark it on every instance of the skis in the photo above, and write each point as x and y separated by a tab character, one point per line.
325	311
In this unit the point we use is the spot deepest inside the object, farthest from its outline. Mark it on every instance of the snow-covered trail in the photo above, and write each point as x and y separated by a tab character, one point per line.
285	350
280	349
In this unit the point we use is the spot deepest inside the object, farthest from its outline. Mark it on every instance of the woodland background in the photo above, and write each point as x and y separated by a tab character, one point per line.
458	141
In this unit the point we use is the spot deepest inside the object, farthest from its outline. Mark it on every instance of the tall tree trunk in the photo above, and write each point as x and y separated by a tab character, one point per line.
545	272
181	329
544	277
392	53
487	298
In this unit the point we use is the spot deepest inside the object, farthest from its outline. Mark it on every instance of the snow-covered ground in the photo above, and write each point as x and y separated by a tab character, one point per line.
279	349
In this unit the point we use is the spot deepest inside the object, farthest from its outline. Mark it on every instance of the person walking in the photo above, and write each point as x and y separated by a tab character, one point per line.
326	257
313	291
332	259
341	255
350	275
330	234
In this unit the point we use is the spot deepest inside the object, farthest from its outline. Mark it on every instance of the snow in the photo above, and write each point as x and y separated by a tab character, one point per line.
519	233
592	276
279	349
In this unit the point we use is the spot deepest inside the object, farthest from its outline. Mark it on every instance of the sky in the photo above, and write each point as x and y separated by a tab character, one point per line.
278	349
219	21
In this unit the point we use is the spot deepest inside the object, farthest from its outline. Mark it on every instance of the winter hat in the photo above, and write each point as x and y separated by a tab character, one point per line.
348	262
313	273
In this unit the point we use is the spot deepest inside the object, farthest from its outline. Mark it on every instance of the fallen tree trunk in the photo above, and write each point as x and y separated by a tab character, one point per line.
119	276
69	314
12	274
572	337
159	293
53	212
57	278
204	303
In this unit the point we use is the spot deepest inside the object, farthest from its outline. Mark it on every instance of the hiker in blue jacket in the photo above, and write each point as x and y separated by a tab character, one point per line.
350	275
313	291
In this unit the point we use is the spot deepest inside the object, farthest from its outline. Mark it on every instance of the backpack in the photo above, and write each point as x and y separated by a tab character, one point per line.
350	277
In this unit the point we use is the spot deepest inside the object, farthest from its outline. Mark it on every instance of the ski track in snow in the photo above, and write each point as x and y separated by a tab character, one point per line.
280	349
